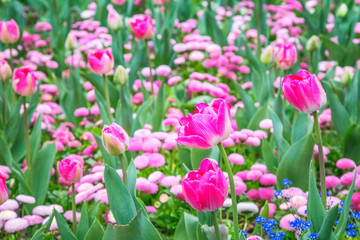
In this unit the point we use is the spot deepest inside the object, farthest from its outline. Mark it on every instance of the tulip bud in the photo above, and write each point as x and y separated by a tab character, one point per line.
267	55
70	42
9	32
313	43
5	71
347	76
114	20
24	81
115	139
101	61
201	192
143	28
121	76
342	10
286	55
304	91
70	170
4	194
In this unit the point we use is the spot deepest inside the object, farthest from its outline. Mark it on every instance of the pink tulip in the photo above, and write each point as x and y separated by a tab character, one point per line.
114	20
9	32
304	91
118	2
24	81
4	195
70	170
207	126
143	28
205	189
101	61
115	139
285	55
5	71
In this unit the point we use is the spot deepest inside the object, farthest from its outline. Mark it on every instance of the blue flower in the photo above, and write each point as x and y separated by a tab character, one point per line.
260	219
286	182
355	215
243	232
342	203
350	226
351	233
278	193
313	236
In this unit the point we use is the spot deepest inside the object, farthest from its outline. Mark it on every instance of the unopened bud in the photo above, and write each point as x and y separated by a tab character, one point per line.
121	76
267	55
70	42
313	43
114	20
5	71
342	10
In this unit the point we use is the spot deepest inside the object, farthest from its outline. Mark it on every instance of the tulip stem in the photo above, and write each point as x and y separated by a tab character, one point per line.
232	189
27	140
4	104
73	207
321	158
216	225
123	168
107	98
150	69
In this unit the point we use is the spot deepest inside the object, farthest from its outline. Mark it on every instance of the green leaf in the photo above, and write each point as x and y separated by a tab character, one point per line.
139	228
95	232
316	211
280	141
41	172
124	113
341	226
159	109
328	223
260	114
186	227
83	225
303	125
339	117
64	229
208	26
120	200
268	156
102	106
40	234
93	211
197	155
250	108
297	157
142	115
351	143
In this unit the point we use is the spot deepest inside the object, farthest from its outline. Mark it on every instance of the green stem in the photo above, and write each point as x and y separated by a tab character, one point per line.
73	207
246	222
107	98
321	158
232	189
123	168
4	104
150	69
27	140
216	225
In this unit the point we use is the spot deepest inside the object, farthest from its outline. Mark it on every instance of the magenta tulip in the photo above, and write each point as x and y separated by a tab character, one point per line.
143	28
24	81
285	55
9	32
101	61
70	170
115	139
207	126
304	91
4	194
205	189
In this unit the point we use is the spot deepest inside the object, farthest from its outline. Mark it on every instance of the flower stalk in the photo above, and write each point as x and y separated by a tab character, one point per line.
216	225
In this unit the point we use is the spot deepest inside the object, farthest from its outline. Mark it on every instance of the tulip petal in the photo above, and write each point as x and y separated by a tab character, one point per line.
210	196
193	141
191	196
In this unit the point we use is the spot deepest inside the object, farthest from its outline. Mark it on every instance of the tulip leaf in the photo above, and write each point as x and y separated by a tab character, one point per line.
142	115
339	117
64	228
96	231
139	228
124	113
268	156
41	172
159	109
102	106
83	225
197	155
93	211
352	142
137	61
328	223
120	200
315	209
341	226
295	163
302	126
250	108
210	235
39	234
186	227
260	114
208	26
280	141
184	158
